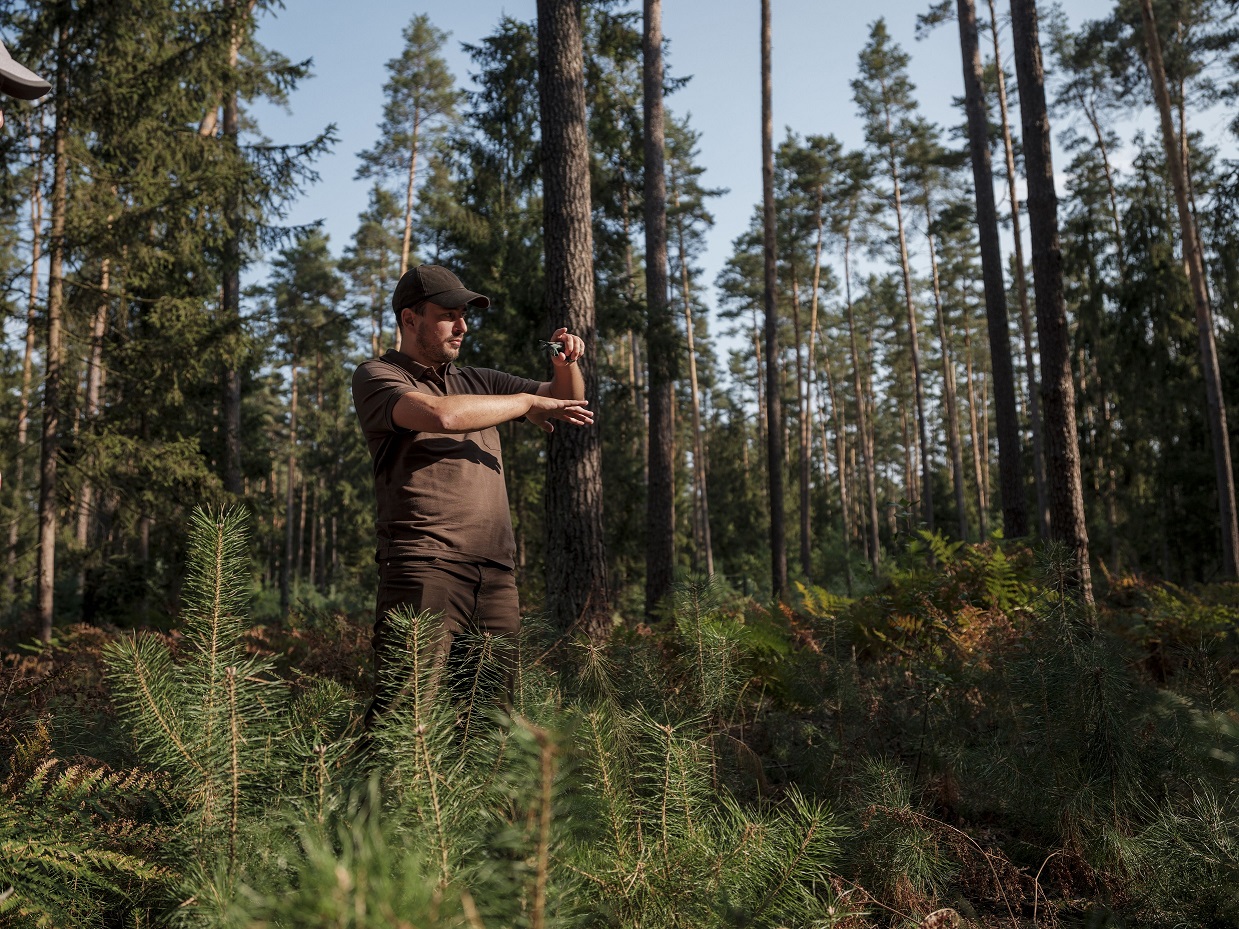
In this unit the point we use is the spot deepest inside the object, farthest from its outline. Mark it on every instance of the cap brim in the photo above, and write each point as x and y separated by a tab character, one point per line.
20	82
451	298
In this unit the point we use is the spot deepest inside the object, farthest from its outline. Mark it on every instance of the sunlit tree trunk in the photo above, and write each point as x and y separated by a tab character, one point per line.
918	385
841	460
1058	392
94	388
636	370
699	446
1194	260
806	416
977	468
576	575
1011	482
1021	289
774	410
948	379
23	402
661	344
290	540
864	435
802	418
231	294
50	452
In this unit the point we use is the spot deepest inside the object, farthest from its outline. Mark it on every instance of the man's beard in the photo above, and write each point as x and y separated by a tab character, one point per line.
438	351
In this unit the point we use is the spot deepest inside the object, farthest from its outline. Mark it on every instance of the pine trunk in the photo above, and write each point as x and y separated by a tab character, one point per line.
1194	260
576	580
1021	289
286	575
23	403
94	388
806	422
1058	391
948	381
774	411
802	430
50	452
874	545
660	340
231	291
1011	481
978	473
918	385
699	440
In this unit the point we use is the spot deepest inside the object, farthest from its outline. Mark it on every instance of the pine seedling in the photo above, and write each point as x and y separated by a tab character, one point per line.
414	737
895	853
1185	863
711	649
357	870
780	870
207	721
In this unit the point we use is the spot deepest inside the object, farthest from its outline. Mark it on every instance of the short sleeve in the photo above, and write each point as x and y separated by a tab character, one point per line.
376	388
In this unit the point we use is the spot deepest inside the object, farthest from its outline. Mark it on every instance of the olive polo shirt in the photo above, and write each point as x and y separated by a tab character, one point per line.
438	494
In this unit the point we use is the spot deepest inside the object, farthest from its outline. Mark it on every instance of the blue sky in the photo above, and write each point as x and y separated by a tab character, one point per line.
815	48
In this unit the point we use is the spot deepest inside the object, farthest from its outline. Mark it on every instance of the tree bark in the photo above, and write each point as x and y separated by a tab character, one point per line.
807	416
977	468
1021	289
286	576
699	441
94	389
576	574
1194	259
636	370
1057	389
1011	481
948	381
23	404
918	385
864	435
802	430
661	343
774	410
49	458
231	291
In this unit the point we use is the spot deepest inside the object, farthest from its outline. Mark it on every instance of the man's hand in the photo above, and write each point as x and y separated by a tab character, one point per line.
546	409
573	348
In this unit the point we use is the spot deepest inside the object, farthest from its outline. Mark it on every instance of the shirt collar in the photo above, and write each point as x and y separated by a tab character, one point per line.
416	368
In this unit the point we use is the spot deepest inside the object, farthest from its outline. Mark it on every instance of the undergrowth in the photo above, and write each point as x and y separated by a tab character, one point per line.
967	744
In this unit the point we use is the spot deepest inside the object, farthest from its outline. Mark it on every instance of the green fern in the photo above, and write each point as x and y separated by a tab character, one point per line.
75	845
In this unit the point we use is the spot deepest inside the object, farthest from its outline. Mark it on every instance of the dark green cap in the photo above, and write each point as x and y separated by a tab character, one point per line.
436	284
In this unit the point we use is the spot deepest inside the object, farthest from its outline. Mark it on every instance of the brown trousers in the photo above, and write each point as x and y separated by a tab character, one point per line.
477	603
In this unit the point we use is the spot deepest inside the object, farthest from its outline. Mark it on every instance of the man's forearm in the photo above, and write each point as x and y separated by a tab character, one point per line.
458	413
566	383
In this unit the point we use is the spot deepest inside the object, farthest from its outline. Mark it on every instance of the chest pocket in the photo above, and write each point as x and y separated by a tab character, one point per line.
487	438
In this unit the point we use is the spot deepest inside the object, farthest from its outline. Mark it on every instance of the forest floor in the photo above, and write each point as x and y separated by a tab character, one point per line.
971	746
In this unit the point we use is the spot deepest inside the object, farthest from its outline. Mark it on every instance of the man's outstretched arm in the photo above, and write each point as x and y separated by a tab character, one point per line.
566	381
458	413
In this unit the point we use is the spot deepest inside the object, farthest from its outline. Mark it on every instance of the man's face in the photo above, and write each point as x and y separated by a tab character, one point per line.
438	332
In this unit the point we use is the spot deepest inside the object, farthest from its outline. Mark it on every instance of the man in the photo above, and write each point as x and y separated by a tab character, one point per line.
18	80
444	527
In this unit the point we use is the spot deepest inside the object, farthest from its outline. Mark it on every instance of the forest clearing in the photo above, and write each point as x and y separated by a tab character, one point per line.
881	572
